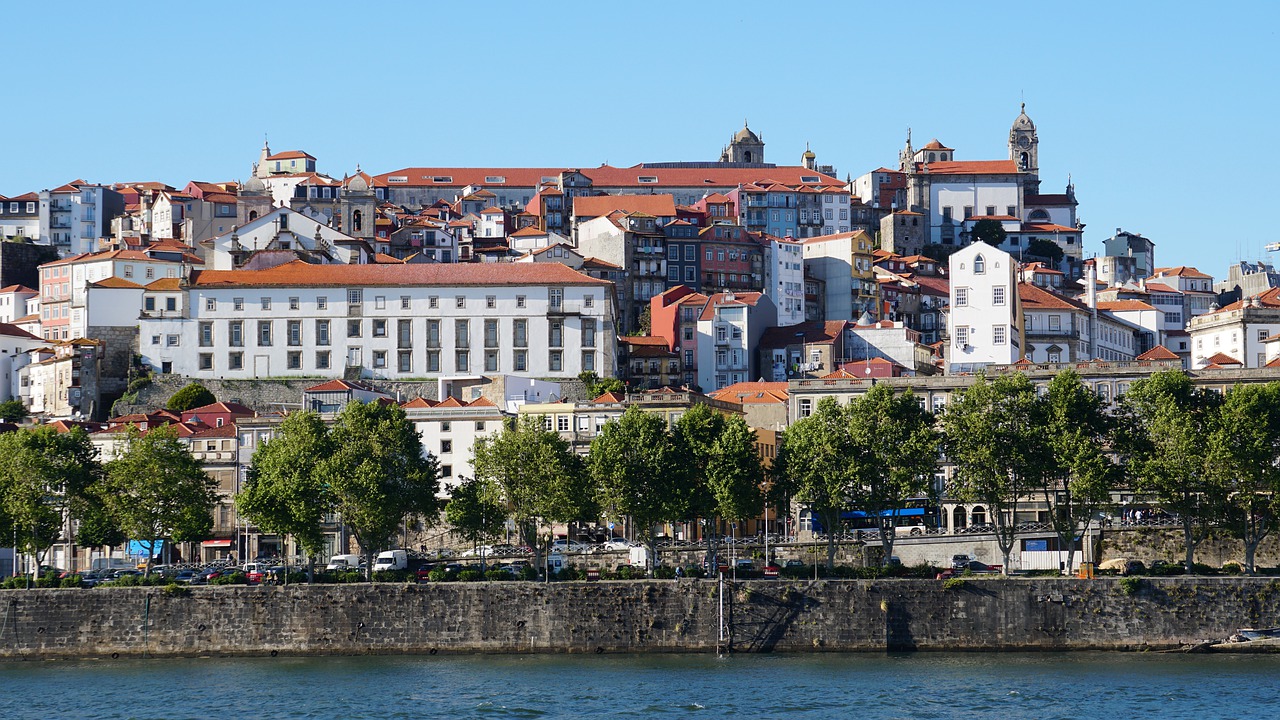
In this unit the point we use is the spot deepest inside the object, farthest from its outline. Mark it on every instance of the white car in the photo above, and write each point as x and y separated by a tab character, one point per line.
568	546
617	544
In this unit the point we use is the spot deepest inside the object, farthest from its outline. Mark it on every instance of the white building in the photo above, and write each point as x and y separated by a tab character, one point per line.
985	319
285	229
450	429
75	216
396	321
729	331
784	278
15	343
1241	331
20	216
13	302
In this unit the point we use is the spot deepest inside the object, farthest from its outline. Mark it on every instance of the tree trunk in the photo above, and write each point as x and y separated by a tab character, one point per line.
888	535
1250	548
311	568
1189	539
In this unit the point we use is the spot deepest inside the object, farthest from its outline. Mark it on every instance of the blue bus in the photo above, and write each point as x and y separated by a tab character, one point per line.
917	516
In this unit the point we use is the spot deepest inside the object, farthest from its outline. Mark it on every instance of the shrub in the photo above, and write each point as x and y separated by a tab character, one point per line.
440	575
626	572
664	572
1232	568
1132	585
954	583
470	576
1202	569
497	574
194	395
393	576
528	572
173	589
235	578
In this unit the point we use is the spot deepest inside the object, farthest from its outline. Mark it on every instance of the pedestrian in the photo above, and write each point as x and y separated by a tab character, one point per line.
679	571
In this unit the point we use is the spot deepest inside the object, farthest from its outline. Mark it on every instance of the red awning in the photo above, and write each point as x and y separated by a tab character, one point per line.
216	543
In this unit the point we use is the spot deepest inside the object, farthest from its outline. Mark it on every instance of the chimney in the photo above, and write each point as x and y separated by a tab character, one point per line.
1090	286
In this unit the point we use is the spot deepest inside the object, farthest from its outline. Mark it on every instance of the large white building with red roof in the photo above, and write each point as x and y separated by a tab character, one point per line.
1242	331
397	321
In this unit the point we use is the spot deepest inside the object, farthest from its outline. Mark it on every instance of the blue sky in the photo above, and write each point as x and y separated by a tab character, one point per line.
1162	112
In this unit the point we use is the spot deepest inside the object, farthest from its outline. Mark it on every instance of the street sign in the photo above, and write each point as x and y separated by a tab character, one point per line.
611	525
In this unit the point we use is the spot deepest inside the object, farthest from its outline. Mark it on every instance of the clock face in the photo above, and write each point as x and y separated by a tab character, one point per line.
1024	142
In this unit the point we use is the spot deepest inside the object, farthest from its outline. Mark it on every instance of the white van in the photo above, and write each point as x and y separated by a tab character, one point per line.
343	563
392	560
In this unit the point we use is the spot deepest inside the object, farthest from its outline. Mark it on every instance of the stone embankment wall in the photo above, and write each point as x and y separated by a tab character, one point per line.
660	616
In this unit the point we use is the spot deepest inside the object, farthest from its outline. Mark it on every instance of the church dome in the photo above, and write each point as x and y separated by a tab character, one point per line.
358	184
254	185
746	135
1023	122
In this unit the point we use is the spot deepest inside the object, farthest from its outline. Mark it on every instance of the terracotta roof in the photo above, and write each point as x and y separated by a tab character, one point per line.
1181	271
1267	299
11	330
753	393
1158	352
165	284
600	205
222	407
643	340
301	274
223	431
1036	298
973	167
935	145
1161	287
385	259
1222	359
598	264
722	300
336	386
290	155
607	176
1124	305
609	398
839	374
531	231
1274	362
138	255
1048	227
17	289
814	333
115	282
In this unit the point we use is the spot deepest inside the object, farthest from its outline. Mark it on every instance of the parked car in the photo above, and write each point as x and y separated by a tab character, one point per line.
615	544
255	572
568	546
795	563
744	564
187	577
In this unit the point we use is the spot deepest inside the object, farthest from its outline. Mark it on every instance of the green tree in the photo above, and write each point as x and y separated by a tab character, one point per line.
988	231
13	410
735	474
378	474
818	463
1168	422
473	512
995	435
283	491
44	476
1244	452
596	386
156	490
1047	249
193	395
696	432
897	446
640	473
536	477
1082	474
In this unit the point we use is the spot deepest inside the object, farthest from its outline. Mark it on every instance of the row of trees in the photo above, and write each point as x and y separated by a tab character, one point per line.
52	482
703	468
1211	460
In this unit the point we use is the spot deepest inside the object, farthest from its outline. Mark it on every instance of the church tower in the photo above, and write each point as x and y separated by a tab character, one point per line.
746	147
359	207
1024	145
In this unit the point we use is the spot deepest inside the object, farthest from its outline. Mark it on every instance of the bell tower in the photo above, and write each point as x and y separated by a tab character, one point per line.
1024	144
358	207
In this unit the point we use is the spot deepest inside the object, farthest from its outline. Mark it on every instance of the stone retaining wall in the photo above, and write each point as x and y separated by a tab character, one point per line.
659	616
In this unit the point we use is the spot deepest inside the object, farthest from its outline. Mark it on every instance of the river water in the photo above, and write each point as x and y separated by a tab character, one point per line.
923	685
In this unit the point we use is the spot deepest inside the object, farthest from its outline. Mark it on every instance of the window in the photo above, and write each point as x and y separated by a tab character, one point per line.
460	301
1055	356
491	361
1055	322
462	333
322	332
322	303
962	336
1176	317
446	446
556	334
997	334
266	303
355	297
264	333
588	301
806	407
379	328
149	304
235	361
555	297
991	210
588	361
210	304
433	361
235	333
294	360
520	360
968	211
556	360
353	328
404	302
462	361
206	334
589	332
997	295
979	265
380	302
490	301
962	296
404	361
433	302
322	360
380	358
206	361
237	304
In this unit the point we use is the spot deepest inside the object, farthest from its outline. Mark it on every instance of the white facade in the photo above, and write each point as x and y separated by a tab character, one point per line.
73	218
20	217
449	433
985	317
729	331
544	320
784	278
284	229
13	302
14	346
1239	331
951	201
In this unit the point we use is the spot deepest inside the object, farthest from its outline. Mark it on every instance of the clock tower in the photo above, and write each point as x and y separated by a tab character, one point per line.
1024	144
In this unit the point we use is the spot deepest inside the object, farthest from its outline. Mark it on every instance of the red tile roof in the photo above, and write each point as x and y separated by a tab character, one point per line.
1222	359
11	330
973	167
935	145
753	393
1158	352
17	289
609	398
1124	305
290	155
337	386
607	176
301	274
1181	271
723	300
600	205
1036	298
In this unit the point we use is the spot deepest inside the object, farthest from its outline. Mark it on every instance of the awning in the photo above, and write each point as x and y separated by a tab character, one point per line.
215	543
139	548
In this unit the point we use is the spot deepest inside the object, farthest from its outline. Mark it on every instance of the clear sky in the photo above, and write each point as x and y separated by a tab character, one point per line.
1163	112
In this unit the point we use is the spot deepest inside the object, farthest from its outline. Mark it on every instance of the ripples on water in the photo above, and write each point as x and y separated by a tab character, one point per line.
583	687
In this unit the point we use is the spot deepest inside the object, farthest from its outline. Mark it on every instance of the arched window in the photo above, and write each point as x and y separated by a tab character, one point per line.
931	157
979	265
1039	216
356	218
979	515
958	519
253	215
1025	161
747	156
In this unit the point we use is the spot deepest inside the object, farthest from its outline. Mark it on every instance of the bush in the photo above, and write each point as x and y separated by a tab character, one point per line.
470	576
1132	585
497	574
664	572
440	575
194	395
393	576
954	583
528	572
173	589
1202	569
235	578
626	572
1232	568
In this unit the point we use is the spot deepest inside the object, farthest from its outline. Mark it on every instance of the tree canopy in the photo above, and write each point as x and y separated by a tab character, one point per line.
284	492
193	395
818	463
989	231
